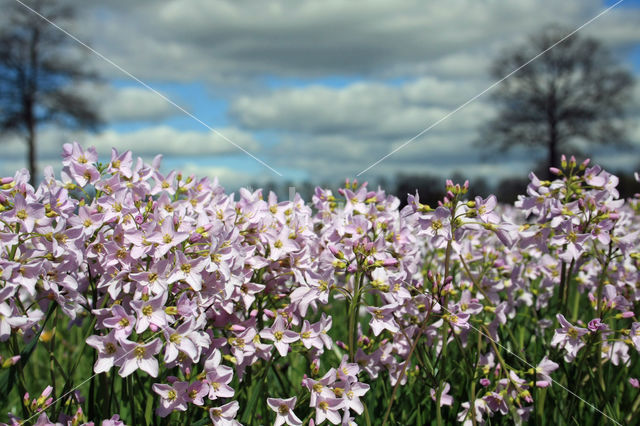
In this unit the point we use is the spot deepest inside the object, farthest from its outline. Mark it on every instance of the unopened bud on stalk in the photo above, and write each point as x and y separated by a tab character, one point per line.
584	164
556	171
563	161
11	361
390	262
315	367
336	252
430	275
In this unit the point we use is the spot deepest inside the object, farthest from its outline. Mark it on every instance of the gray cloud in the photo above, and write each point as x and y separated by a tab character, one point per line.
436	53
228	41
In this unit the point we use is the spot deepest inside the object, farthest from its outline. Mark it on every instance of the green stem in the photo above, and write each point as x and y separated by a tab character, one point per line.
634	409
404	369
354	307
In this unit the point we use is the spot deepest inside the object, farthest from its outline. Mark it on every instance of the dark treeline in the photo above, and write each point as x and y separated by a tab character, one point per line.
431	187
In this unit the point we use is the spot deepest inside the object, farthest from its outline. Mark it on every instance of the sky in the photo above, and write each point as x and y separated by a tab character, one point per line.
316	90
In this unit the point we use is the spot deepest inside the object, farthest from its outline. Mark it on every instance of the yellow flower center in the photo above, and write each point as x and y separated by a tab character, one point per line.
110	348
139	352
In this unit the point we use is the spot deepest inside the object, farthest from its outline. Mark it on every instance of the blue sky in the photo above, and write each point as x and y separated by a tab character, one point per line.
318	90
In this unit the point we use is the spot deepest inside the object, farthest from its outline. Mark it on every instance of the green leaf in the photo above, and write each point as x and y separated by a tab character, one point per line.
8	378
205	421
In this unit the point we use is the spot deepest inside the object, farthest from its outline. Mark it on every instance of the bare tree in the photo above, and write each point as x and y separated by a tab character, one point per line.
574	91
39	70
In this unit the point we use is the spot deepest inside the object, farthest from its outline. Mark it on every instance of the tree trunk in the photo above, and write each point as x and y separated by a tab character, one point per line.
31	147
552	119
33	90
553	150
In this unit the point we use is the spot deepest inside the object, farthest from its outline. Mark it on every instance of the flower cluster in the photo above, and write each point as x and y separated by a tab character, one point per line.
212	300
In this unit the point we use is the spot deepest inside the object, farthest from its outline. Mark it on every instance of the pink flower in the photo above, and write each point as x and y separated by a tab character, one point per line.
350	391
284	411
224	415
280	336
327	409
171	397
634	382
27	214
140	356
109	351
150	313
218	377
445	398
596	324
121	322
113	421
543	372
382	318
166	237
635	335
568	337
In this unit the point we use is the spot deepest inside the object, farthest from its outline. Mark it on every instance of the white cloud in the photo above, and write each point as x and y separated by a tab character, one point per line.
170	141
135	104
230	178
371	110
146	142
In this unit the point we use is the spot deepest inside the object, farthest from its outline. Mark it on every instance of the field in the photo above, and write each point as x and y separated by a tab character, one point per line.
130	297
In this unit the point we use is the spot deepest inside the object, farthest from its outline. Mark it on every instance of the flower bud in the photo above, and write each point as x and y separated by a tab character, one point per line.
390	262
584	164
336	252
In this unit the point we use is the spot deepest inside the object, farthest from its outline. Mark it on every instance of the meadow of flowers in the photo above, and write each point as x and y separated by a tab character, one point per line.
131	297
